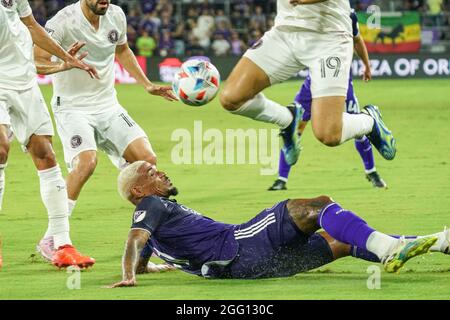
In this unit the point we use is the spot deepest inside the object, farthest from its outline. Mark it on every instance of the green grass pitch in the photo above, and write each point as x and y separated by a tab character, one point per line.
417	202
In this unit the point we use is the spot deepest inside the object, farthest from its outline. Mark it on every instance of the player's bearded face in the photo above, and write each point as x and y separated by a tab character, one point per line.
156	182
99	7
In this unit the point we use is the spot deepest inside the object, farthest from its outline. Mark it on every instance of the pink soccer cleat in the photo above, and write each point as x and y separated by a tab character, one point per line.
46	248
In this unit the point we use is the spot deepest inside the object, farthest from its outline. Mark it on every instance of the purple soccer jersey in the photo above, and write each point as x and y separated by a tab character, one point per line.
183	237
269	245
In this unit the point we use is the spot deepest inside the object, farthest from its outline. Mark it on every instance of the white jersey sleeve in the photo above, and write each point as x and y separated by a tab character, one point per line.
122	23
23	8
55	27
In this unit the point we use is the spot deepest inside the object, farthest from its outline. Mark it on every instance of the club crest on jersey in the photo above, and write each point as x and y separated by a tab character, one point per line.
257	44
113	36
76	141
7	3
139	215
50	31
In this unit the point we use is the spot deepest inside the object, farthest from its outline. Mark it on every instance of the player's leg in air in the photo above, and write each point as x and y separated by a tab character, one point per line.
253	73
310	215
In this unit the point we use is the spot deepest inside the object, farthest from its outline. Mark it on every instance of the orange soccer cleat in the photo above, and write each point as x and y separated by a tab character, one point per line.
67	256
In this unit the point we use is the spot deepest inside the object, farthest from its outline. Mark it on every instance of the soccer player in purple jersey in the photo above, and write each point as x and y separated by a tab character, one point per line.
303	100
278	242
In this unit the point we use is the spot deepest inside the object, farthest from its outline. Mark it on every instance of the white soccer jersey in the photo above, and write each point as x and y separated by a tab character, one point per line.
17	69
327	16
75	88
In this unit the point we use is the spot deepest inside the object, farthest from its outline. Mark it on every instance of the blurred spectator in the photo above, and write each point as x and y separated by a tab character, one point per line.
435	11
223	30
145	45
179	39
134	18
238	46
195	49
222	18
132	38
164	5
220	46
205	22
147	6
166	44
259	18
40	12
255	36
166	22
238	20
181	26
147	24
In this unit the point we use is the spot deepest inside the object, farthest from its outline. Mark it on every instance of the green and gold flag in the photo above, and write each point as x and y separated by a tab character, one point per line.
396	33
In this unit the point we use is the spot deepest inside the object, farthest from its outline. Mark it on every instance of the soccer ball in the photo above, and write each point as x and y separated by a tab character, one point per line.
197	82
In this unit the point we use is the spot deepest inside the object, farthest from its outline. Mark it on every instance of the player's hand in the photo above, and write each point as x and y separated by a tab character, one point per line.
76	62
155	268
367	74
162	91
123	283
300	2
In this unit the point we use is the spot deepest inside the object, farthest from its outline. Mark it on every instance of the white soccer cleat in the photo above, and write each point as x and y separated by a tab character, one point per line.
46	248
405	250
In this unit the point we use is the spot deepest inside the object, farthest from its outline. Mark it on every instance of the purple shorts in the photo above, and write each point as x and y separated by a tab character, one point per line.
271	245
303	97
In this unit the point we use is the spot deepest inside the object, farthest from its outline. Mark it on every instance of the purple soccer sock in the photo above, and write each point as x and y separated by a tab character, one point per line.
344	225
363	254
283	167
364	148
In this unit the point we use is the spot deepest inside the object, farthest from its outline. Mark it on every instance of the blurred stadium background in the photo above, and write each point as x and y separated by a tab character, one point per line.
412	38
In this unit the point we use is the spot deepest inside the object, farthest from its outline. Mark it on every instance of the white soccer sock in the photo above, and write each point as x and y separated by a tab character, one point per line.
54	197
355	125
71	203
2	183
380	244
262	109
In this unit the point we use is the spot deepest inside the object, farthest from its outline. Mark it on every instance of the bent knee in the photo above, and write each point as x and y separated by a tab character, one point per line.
85	166
231	99
329	139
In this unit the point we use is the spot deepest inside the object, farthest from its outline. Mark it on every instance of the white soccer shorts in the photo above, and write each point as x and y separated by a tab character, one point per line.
111	131
281	54
28	113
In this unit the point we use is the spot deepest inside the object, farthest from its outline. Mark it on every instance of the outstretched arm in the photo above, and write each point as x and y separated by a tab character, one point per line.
361	51
127	58
137	238
45	65
43	40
